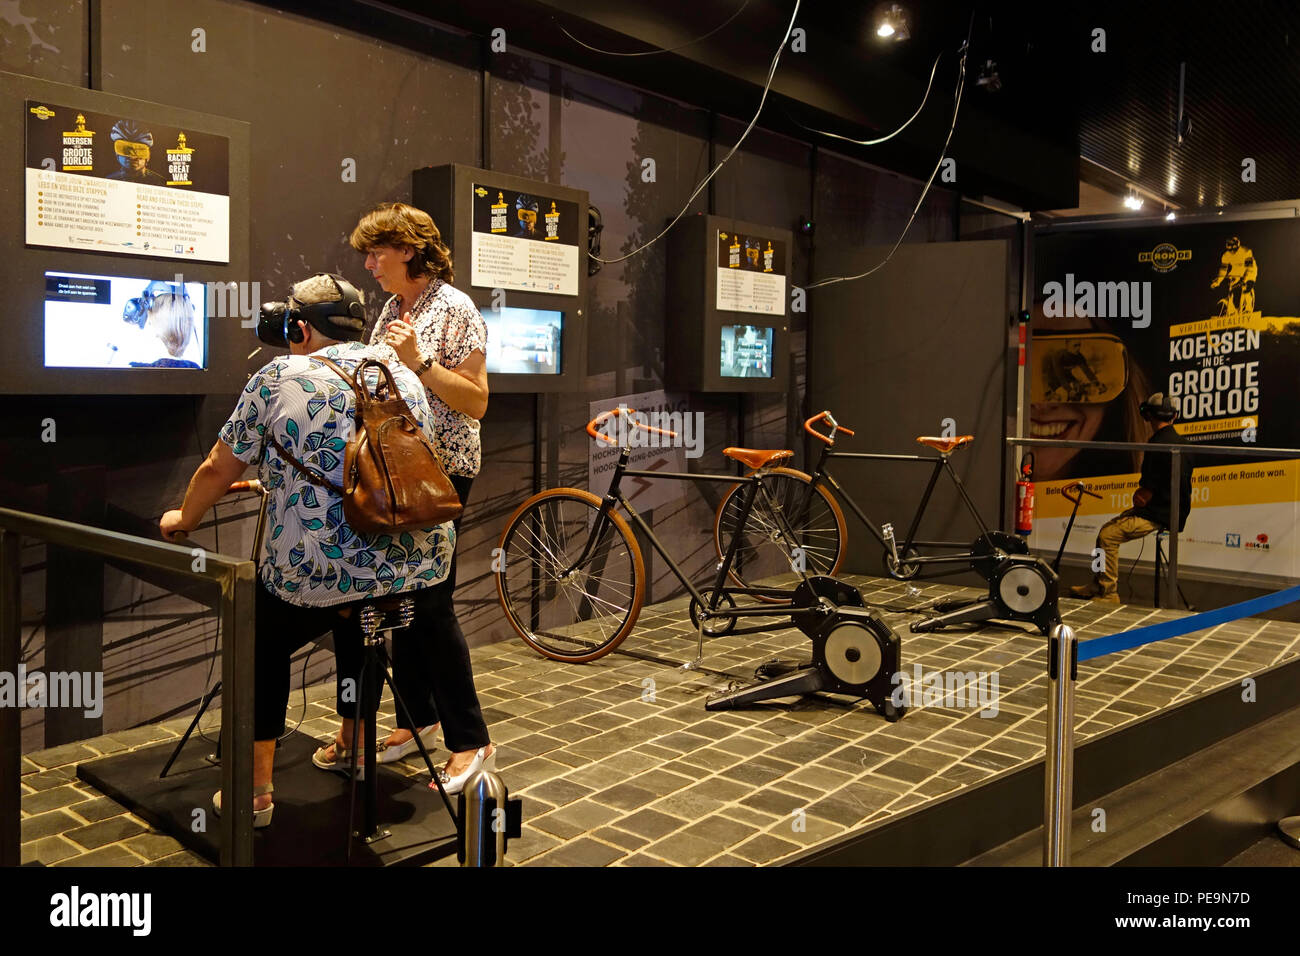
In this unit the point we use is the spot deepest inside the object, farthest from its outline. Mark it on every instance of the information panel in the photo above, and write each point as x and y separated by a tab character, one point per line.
751	273
523	241
108	183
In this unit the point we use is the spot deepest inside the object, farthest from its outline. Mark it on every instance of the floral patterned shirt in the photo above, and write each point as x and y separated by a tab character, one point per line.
448	327
313	558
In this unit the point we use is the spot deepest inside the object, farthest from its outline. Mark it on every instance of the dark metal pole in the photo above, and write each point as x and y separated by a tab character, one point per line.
485	104
1175	509
237	597
11	616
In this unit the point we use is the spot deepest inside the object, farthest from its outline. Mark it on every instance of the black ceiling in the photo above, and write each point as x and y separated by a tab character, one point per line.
1242	94
1019	145
1059	99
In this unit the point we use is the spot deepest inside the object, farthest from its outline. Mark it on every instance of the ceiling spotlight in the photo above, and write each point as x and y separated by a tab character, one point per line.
1169	216
891	24
1133	200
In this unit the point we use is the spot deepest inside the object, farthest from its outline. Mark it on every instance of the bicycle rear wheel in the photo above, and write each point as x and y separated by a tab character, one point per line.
764	553
563	609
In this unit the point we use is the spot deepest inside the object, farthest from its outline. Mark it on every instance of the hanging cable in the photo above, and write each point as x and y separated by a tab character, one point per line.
882	139
653	52
961	85
698	189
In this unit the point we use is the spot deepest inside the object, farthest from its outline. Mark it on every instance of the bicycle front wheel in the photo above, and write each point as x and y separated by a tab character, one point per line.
571	583
764	552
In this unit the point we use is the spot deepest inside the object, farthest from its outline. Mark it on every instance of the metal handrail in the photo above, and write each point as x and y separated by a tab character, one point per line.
236	579
1175	473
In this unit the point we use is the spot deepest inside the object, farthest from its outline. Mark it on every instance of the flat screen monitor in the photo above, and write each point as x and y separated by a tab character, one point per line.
746	351
120	322
524	341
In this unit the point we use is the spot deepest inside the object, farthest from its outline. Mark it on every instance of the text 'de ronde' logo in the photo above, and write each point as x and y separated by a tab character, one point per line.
1165	256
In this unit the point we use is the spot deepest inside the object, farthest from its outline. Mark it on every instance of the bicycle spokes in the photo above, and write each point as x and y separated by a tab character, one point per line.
570	580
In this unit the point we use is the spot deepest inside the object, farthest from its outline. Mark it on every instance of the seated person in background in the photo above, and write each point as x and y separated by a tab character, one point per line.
1151	502
314	565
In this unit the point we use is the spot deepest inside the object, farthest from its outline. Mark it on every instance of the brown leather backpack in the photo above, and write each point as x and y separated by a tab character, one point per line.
392	477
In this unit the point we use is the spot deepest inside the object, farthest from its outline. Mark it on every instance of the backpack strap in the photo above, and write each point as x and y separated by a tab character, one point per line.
316	479
311	476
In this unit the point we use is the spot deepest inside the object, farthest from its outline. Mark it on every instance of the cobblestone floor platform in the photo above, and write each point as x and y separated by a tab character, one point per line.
619	764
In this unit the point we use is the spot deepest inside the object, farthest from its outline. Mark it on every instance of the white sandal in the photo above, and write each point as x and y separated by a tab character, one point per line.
454	785
261	818
386	753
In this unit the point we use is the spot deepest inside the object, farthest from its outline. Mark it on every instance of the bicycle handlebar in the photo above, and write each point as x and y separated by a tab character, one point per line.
627	413
251	485
1080	487
829	420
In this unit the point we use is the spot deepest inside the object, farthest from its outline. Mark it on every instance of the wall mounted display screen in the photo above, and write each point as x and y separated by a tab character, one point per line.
751	273
105	182
746	351
524	241
95	321
524	341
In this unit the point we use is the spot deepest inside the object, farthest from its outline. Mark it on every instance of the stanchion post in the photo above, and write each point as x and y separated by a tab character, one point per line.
484	832
1175	508
1058	787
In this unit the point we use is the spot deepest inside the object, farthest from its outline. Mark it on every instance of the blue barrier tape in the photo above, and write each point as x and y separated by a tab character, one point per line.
1126	640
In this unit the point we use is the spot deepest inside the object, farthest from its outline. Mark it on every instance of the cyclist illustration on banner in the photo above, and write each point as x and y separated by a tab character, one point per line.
1238	271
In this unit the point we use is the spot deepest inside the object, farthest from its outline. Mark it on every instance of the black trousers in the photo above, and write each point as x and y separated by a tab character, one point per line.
430	660
281	629
431	664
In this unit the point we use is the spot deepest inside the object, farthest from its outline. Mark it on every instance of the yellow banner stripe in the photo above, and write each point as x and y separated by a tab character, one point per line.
1220	486
1251	320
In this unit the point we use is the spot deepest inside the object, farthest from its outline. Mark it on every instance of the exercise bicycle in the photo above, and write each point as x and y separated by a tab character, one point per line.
816	532
572	581
1021	586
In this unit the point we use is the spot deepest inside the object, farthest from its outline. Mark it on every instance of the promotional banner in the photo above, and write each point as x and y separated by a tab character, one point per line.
524	241
751	274
125	184
1206	313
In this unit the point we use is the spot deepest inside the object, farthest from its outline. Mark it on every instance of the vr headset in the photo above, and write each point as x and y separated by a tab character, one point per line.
344	319
1159	408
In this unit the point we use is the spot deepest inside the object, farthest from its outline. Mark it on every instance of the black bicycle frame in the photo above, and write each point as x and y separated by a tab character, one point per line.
709	608
939	464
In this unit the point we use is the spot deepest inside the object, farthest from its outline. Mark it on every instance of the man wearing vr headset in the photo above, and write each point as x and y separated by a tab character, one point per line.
314	564
1151	502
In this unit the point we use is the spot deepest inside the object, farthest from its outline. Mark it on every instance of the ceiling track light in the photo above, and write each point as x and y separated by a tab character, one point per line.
892	24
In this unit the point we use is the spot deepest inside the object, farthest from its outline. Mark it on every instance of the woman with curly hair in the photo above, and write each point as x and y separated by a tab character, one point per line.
437	332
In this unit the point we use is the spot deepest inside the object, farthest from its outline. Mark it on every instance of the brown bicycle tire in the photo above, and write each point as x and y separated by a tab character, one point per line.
638	564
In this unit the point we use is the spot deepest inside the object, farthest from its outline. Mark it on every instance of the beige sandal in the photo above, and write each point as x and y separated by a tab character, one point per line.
341	761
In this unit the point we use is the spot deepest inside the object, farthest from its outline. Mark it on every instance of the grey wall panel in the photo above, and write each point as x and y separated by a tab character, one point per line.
920	341
45	39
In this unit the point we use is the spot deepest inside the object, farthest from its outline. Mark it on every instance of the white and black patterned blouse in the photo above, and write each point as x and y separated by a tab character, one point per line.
448	327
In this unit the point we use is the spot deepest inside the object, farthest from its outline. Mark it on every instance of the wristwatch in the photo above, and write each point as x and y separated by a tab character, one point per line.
423	367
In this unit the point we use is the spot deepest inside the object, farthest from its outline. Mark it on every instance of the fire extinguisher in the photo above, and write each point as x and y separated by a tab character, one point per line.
1025	496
